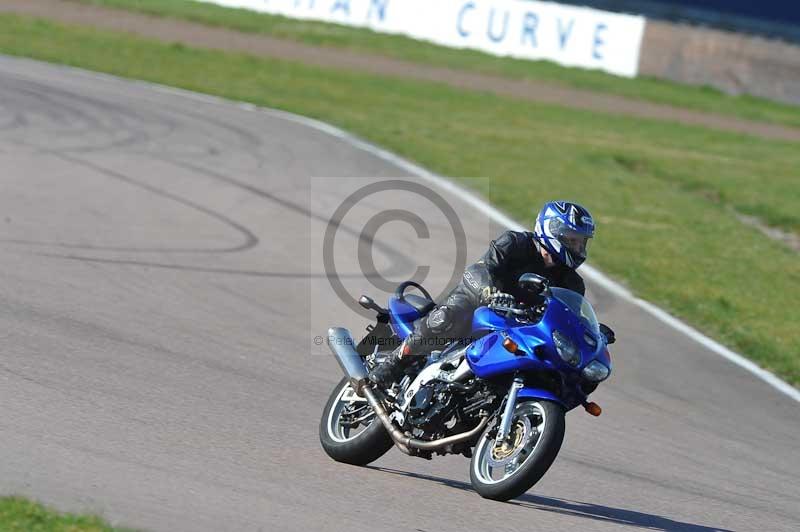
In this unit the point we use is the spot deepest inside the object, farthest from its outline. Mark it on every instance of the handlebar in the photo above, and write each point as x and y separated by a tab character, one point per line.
513	310
531	314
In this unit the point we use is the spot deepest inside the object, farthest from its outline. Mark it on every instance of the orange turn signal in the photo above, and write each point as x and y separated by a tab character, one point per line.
510	345
593	408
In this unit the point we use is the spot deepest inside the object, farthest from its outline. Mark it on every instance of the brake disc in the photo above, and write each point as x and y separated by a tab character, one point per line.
507	451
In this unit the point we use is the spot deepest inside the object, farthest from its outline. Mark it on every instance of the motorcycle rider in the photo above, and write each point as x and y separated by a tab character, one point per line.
555	248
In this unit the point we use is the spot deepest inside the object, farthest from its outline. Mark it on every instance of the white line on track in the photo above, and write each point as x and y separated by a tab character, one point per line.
473	200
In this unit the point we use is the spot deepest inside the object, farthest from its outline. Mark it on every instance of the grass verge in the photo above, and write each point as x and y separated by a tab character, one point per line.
21	515
665	194
363	40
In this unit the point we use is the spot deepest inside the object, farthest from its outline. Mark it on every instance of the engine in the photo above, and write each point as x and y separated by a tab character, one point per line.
431	407
444	397
442	407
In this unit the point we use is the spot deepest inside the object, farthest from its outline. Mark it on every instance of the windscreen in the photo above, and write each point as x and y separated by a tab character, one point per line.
579	306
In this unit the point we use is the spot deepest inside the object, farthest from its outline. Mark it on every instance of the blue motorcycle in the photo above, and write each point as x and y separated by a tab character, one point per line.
499	397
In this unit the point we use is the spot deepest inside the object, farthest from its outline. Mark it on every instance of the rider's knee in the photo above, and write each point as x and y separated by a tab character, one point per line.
440	320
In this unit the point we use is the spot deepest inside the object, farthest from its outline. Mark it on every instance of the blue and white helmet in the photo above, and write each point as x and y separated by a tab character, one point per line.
564	229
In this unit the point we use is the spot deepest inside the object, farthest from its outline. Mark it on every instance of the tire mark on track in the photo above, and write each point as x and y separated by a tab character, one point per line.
399	261
47	95
59	99
203	269
250	239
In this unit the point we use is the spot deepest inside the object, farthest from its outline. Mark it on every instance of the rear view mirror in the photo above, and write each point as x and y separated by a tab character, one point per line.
535	284
608	333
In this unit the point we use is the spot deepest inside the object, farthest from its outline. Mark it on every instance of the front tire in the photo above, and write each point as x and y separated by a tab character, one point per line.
344	438
505	472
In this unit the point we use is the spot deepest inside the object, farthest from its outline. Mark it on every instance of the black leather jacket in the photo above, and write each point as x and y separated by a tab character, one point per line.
509	256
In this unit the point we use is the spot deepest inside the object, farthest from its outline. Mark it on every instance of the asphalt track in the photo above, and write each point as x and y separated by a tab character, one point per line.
160	294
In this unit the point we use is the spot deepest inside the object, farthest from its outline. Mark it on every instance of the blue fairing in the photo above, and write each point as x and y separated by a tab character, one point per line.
488	358
566	312
536	350
485	320
538	393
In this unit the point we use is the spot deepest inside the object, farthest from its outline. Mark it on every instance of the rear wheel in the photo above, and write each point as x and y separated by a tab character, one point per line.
349	430
502	472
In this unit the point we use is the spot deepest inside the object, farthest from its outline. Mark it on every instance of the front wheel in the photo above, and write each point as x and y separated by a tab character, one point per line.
503	472
349	430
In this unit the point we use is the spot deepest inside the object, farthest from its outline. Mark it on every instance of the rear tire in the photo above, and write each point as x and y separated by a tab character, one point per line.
358	449
521	465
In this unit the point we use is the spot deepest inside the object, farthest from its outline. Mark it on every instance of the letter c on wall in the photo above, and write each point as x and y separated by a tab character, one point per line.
460	24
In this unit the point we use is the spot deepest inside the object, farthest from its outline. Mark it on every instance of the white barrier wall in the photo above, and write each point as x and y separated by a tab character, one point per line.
526	29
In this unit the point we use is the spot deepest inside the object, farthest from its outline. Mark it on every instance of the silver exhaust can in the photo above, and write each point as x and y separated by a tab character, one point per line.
342	345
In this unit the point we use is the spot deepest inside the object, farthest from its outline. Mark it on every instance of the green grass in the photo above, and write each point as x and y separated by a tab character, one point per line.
21	515
363	40
663	193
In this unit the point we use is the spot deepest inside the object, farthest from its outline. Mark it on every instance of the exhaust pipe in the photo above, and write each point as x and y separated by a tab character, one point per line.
403	440
341	343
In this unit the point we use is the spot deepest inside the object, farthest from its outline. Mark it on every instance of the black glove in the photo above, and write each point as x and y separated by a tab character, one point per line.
494	298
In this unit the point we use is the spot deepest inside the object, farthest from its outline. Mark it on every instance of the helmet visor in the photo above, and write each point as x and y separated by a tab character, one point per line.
576	243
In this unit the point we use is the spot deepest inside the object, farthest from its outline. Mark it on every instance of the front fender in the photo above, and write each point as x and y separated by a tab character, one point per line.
529	392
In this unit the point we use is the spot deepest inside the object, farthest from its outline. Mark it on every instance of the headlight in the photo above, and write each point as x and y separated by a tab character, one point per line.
567	350
595	371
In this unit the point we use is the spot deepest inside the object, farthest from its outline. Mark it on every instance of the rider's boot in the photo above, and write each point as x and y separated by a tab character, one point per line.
391	369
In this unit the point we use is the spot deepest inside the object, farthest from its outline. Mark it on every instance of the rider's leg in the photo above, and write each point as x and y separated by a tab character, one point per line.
444	324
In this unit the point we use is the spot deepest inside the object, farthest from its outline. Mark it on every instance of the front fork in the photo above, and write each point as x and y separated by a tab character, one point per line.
508	411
